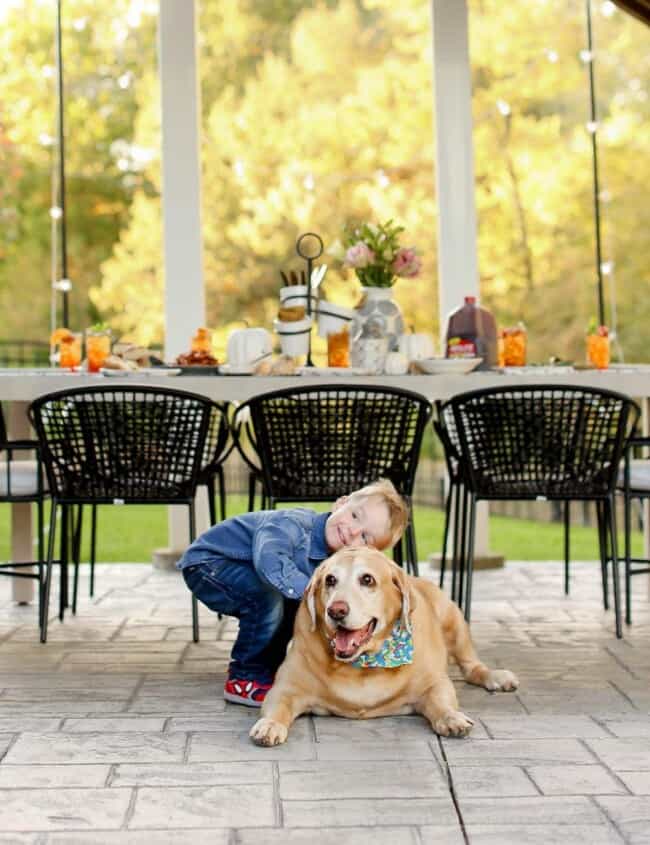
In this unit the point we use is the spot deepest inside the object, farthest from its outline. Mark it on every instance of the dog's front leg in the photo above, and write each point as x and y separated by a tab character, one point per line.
440	706
280	709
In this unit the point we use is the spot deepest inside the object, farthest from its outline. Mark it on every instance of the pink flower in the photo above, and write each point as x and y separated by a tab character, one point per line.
407	263
359	255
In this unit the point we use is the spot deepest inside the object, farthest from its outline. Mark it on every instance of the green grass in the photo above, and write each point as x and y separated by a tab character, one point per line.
131	533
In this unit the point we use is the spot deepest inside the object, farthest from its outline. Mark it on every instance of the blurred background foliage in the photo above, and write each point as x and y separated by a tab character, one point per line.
315	114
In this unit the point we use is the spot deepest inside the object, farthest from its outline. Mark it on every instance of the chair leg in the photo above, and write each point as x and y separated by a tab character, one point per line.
211	505
567	523
76	555
64	545
627	517
411	550
463	549
195	605
48	574
603	545
222	492
251	492
455	560
611	524
445	536
470	557
398	553
93	549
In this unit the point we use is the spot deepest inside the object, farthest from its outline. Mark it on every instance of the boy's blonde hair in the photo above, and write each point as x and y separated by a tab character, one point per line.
398	510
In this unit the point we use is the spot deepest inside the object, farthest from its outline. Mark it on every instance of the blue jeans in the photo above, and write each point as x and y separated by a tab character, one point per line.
265	616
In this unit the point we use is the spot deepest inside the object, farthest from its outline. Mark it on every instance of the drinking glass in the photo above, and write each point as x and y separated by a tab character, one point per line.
598	351
512	347
338	348
98	348
70	351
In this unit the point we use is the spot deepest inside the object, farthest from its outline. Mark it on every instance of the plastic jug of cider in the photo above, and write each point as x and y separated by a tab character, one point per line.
472	333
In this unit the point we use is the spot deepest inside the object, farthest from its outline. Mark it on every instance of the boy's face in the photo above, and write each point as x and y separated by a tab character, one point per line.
358	522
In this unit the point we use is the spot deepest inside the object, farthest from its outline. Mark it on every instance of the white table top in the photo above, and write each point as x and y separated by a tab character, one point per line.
633	380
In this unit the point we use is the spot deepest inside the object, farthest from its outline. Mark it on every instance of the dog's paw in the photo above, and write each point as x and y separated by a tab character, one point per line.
501	680
267	732
453	723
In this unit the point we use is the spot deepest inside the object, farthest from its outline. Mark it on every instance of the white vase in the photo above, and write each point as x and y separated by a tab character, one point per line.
377	315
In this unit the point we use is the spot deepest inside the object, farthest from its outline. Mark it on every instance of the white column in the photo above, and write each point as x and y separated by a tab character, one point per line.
457	258
181	198
457	231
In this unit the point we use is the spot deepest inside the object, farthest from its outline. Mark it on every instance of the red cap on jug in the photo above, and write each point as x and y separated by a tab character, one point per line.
470	300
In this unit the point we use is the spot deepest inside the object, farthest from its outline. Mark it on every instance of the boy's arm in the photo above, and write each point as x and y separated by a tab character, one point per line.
274	548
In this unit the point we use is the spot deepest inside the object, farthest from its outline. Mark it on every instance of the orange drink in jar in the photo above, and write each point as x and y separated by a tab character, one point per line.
598	348
69	345
70	351
514	346
338	348
98	348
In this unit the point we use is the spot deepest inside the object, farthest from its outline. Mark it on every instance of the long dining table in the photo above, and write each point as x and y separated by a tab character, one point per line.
20	387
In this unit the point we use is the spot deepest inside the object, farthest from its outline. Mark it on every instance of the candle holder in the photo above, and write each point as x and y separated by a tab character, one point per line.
309	246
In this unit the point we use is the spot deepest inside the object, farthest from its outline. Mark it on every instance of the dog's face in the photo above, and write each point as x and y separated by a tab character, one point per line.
354	598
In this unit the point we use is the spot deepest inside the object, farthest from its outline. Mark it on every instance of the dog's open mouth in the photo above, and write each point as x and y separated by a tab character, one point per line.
346	642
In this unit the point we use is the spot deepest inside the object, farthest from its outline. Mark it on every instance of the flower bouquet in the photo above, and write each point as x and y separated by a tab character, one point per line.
374	253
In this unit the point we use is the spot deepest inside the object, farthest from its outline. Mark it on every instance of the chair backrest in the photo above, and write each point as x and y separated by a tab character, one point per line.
445	427
315	444
542	441
218	443
122	443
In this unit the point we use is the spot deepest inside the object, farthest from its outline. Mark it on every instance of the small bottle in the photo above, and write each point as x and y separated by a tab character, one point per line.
472	333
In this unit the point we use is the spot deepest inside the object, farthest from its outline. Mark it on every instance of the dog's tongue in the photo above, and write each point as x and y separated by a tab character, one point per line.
347	642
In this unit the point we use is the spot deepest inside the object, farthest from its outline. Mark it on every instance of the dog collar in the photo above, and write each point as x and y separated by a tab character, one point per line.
396	650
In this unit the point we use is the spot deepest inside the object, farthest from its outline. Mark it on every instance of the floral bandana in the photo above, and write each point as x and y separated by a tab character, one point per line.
396	650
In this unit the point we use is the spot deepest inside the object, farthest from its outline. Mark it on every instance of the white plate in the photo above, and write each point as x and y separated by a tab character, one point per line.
143	371
335	371
448	366
233	370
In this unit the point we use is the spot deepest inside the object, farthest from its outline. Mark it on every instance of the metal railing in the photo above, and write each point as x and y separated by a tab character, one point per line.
24	353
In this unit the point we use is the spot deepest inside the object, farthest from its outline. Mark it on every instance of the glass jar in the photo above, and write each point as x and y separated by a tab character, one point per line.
338	348
598	350
70	351
512	346
98	348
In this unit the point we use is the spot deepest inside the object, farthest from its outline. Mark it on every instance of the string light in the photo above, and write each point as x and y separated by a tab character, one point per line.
503	107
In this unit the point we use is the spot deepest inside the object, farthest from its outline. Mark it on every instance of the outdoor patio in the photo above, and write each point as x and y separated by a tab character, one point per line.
115	731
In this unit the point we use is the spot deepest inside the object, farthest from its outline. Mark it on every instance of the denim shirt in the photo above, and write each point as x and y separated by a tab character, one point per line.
284	546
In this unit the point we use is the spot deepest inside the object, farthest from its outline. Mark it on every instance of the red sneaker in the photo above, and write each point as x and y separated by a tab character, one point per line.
250	693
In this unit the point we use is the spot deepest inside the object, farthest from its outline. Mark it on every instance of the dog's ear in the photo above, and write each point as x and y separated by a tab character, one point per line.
400	579
310	596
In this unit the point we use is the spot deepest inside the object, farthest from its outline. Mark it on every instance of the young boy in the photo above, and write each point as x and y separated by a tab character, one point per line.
256	566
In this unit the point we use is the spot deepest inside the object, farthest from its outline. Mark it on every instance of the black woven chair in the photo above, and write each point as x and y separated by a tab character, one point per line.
120	445
634	485
545	442
313	444
456	504
218	446
22	482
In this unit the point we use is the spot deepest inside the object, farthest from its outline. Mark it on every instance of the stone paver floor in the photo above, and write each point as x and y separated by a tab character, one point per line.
116	732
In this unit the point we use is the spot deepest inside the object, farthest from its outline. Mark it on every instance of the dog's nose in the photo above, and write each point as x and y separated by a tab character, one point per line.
338	610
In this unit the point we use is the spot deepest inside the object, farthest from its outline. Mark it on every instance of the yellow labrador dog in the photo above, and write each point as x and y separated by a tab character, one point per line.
370	641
